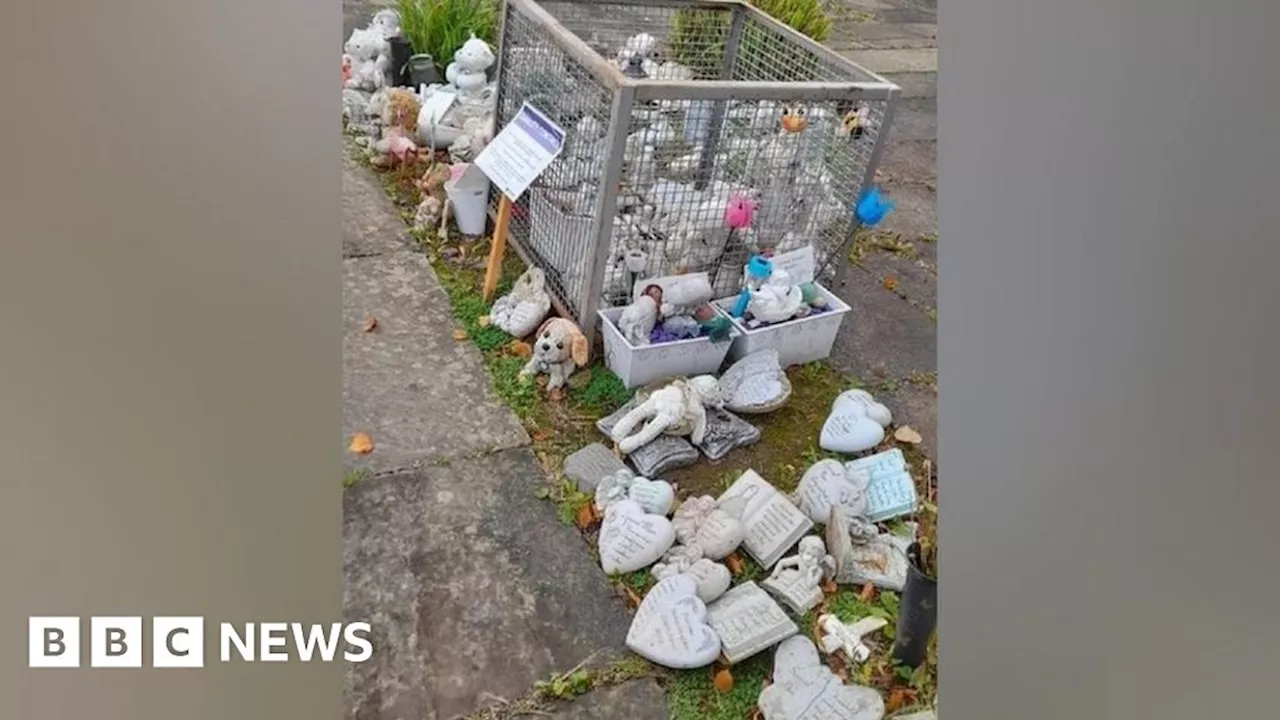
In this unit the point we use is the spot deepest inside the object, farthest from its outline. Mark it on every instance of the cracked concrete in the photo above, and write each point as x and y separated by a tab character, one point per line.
474	588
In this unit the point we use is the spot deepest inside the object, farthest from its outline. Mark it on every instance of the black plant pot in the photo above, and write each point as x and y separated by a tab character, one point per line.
398	73
422	70
917	613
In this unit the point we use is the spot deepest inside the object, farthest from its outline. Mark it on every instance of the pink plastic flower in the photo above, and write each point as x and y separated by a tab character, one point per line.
740	211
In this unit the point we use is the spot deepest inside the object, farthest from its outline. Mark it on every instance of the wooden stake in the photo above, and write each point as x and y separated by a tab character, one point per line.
497	248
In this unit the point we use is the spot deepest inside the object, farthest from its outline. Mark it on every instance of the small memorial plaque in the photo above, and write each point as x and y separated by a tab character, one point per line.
805	689
773	524
891	491
748	621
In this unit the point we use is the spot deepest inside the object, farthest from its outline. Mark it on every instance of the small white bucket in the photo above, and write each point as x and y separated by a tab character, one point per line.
470	199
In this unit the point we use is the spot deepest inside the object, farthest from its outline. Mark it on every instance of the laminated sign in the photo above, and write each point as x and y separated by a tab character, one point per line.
524	148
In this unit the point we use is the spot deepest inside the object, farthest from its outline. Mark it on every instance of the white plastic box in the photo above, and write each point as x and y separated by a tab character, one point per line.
639	366
799	341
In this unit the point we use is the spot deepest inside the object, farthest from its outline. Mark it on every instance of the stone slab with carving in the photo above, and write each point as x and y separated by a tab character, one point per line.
797	580
879	558
726	432
830	483
632	539
588	466
891	491
773	524
670	627
748	621
755	384
662	455
805	689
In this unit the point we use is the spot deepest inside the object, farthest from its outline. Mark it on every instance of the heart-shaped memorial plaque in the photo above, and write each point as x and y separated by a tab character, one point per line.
805	689
830	483
632	539
655	496
856	423
670	626
862	401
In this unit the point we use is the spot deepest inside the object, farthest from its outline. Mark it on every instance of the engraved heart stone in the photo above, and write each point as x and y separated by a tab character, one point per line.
830	483
670	626
805	689
856	423
655	496
632	539
862	400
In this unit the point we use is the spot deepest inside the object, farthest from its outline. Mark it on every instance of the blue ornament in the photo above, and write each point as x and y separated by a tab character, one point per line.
871	209
759	267
740	307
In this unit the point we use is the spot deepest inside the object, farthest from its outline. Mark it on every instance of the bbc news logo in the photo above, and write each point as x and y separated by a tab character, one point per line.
178	642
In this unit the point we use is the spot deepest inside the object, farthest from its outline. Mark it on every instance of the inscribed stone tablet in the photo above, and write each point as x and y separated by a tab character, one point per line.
773	524
589	465
748	621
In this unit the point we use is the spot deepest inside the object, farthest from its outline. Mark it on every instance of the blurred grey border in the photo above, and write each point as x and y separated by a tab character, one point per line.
170	383
170	297
1107	314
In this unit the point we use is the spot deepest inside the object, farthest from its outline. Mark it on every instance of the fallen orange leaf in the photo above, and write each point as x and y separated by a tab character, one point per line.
868	592
907	435
520	348
735	564
890	283
459	334
586	516
896	697
370	324
723	680
829	587
361	444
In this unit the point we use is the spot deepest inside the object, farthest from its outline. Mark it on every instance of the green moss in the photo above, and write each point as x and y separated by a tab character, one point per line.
602	393
693	695
351	477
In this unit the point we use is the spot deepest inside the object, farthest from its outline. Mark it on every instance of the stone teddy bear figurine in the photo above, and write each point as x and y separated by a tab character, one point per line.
679	408
559	349
467	71
370	55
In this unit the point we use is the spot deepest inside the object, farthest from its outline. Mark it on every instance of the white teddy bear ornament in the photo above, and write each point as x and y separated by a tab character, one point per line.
370	58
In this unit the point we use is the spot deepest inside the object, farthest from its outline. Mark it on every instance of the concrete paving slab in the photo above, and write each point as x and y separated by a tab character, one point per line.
888	62
634	700
883	334
422	395
370	223
474	588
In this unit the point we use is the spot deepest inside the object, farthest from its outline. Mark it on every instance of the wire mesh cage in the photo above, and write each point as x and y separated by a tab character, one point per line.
673	111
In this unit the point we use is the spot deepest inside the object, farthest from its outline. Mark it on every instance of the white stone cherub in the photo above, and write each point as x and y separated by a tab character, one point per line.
797	580
679	408
839	637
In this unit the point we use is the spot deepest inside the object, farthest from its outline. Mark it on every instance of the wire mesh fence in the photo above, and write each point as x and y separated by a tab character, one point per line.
674	111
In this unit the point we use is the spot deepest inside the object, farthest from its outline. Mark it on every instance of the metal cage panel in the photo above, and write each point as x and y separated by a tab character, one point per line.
672	108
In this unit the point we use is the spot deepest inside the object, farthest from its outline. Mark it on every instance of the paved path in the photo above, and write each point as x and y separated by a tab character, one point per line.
474	588
890	337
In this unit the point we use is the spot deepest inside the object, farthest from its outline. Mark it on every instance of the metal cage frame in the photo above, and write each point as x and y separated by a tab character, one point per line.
580	304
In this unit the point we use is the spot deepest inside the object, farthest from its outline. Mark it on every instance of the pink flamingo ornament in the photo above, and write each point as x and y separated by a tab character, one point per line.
740	211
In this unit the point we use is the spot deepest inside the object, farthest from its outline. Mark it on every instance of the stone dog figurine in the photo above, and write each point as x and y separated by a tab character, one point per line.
559	348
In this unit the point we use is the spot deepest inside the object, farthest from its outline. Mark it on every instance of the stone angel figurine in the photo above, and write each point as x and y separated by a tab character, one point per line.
797	580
